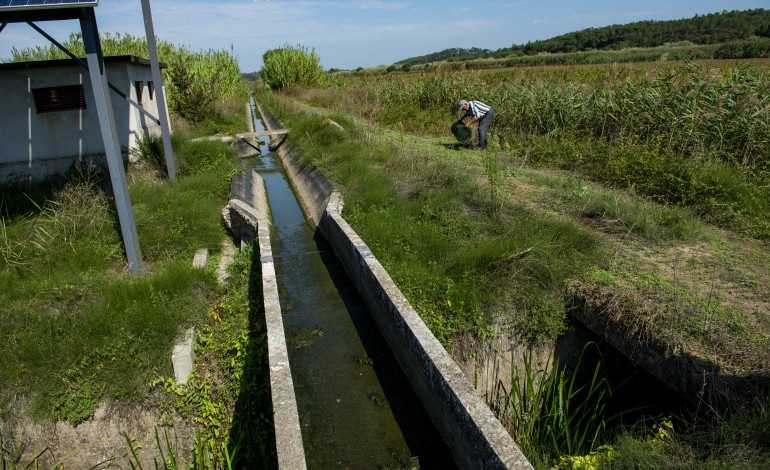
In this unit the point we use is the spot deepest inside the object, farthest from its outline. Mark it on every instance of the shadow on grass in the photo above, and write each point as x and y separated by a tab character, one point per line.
456	146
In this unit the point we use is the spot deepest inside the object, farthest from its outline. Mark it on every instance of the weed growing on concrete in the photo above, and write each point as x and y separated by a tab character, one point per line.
549	413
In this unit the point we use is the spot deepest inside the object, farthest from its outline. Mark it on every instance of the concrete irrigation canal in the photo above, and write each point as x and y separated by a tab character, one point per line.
358	381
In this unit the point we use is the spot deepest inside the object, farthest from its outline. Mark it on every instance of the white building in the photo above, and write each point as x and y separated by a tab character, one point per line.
48	117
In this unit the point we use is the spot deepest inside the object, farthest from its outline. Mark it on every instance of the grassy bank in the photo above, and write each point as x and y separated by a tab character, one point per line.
78	328
682	134
472	237
452	245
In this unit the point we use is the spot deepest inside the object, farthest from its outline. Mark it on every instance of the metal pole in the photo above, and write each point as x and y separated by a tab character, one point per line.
98	75
160	90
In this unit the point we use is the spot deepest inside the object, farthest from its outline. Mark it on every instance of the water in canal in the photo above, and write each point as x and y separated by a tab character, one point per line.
356	407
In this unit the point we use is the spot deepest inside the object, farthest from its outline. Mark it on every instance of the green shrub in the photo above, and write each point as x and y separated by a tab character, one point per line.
289	66
199	80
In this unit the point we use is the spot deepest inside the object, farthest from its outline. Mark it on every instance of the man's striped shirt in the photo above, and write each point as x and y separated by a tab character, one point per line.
478	109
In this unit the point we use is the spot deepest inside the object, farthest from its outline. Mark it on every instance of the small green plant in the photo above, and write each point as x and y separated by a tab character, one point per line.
494	178
228	394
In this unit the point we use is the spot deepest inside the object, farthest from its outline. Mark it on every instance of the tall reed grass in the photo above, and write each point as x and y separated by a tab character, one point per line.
549	412
692	110
679	134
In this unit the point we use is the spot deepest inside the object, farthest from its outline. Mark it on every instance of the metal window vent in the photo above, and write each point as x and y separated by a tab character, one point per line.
60	98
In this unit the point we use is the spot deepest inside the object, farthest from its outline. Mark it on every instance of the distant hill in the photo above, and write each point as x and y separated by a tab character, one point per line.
714	28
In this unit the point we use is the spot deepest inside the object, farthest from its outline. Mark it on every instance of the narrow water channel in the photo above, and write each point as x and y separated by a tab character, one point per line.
356	407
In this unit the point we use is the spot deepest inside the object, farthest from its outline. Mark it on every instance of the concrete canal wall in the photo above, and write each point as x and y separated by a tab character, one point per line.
247	216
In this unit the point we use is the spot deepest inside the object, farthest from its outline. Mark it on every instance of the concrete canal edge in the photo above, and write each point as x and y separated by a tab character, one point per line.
467	425
247	216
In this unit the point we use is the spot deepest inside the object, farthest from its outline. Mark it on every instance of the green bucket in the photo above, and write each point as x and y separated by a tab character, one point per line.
462	133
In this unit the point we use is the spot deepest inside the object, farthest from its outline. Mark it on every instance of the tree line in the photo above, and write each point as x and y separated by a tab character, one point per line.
713	28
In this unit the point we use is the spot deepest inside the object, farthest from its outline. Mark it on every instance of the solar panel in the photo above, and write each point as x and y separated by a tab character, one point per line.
19	5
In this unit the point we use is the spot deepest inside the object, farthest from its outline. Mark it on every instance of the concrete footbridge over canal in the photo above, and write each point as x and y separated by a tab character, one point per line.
357	379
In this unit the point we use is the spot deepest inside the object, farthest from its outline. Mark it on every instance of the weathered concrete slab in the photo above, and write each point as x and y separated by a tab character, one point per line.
201	259
270	132
247	217
228	256
183	357
467	425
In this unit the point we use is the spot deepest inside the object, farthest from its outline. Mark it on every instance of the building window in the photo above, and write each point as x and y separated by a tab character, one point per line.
151	90
139	85
60	98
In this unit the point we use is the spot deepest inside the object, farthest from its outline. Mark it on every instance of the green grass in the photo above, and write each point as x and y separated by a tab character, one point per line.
177	218
228	393
616	212
451	248
77	329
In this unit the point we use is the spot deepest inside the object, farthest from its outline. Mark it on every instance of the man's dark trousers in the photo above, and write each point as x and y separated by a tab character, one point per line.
484	126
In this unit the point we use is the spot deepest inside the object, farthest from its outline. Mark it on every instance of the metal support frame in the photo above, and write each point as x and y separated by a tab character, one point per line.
160	90
2	26
98	74
77	59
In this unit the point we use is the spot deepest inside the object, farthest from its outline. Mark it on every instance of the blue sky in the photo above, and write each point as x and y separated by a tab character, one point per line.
351	33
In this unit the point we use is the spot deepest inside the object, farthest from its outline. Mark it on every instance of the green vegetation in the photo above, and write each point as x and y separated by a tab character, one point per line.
549	413
228	394
78	330
683	135
451	246
195	81
290	66
606	185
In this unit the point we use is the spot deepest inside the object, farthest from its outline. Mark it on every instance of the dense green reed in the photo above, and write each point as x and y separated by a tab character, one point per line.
549	412
679	134
689	109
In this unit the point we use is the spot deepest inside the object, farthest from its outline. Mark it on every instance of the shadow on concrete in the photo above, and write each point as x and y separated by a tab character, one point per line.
636	394
695	379
252	434
421	436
